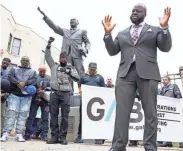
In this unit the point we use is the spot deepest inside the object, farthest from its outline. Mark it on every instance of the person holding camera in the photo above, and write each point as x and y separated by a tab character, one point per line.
62	75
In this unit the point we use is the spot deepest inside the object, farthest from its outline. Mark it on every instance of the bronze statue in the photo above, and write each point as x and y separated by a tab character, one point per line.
73	39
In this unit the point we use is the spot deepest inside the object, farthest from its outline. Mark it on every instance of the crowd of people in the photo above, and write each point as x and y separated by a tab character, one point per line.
20	101
23	91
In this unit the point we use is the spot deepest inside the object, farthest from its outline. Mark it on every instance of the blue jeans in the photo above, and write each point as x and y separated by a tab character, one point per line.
17	110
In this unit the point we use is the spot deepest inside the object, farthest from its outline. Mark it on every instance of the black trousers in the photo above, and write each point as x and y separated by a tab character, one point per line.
32	115
80	121
57	99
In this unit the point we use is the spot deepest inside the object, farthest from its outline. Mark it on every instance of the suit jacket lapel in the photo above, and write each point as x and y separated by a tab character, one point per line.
144	29
129	38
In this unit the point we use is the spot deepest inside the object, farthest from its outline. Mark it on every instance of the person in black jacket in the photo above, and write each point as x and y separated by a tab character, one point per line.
91	78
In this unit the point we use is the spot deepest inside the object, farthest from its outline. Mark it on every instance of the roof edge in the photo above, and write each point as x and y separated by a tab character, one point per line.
24	25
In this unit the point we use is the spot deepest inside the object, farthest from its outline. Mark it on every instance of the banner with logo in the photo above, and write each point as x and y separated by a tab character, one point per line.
98	116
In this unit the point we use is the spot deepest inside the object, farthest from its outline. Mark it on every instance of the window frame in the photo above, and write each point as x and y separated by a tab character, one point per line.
15	38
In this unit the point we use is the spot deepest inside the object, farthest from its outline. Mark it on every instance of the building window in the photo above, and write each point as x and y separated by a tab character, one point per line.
15	50
9	42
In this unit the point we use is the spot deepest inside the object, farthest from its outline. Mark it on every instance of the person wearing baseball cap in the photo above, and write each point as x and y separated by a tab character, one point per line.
22	80
92	78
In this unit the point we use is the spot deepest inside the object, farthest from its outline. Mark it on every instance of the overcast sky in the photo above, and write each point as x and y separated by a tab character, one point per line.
90	13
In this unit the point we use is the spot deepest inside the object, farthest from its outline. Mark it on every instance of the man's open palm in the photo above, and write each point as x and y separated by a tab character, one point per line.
108	27
164	20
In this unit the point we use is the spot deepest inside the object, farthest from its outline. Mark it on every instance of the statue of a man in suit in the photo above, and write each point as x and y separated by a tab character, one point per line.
73	39
138	69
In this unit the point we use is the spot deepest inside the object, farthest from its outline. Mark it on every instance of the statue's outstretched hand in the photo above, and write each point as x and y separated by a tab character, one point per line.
41	11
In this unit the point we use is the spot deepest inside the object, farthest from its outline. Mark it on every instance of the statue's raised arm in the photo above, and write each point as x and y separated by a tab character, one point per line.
50	23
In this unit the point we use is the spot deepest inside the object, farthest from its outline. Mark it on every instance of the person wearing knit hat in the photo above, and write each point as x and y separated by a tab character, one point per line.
43	81
42	68
22	80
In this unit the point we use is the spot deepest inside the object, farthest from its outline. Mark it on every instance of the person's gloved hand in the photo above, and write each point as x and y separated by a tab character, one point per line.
68	70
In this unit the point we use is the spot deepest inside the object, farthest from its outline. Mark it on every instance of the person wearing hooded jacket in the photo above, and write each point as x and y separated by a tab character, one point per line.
21	80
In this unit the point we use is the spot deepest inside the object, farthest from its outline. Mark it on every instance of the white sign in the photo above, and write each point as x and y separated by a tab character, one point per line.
98	114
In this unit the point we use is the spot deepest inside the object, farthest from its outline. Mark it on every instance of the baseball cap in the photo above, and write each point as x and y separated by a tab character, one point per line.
93	65
29	90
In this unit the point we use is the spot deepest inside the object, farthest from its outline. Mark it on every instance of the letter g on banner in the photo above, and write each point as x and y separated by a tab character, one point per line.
100	111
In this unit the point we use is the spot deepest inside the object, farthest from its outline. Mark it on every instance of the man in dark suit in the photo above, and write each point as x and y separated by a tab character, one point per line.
138	69
73	39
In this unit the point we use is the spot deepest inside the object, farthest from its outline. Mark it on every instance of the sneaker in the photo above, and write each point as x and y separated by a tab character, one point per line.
44	138
20	138
53	140
99	142
78	140
27	137
34	136
63	141
4	137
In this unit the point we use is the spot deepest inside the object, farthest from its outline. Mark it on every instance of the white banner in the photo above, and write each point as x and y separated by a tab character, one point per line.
98	116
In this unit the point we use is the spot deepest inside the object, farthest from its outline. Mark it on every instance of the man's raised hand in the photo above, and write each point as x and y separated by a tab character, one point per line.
108	27
164	20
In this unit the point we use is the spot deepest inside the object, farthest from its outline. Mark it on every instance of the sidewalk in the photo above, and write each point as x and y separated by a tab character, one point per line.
42	146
